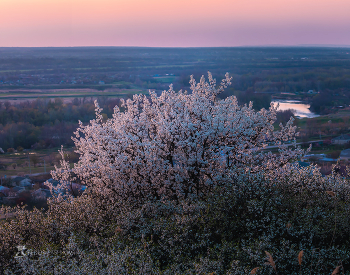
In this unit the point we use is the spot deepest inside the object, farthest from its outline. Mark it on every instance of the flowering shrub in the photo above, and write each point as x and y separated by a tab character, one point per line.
179	184
176	146
227	233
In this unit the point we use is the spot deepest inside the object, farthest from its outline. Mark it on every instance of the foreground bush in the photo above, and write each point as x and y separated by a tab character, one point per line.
180	185
227	233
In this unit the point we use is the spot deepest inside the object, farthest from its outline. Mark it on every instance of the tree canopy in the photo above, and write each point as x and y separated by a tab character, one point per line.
177	145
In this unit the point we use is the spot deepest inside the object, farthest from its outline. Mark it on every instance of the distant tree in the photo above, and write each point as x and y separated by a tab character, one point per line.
334	154
76	101
284	116
34	159
322	103
72	157
7	105
259	100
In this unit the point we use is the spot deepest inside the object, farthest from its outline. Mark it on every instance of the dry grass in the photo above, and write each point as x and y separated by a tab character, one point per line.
336	270
270	261
331	193
300	257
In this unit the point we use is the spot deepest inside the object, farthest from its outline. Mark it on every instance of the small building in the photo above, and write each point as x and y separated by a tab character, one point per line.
17	189
311	92
345	155
41	194
17	180
4	191
25	183
343	139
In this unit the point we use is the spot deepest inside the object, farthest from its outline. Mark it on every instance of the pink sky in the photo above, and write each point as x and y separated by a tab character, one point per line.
173	23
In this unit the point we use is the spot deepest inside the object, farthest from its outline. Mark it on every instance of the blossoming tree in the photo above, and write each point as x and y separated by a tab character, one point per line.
176	145
159	153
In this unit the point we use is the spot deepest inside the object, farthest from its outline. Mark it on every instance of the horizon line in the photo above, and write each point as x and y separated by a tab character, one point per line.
188	47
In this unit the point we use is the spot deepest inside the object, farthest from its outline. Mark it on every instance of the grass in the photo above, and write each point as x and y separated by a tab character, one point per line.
22	159
118	83
21	171
67	93
165	66
165	79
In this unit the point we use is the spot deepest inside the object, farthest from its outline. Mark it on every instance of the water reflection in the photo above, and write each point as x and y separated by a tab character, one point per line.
301	109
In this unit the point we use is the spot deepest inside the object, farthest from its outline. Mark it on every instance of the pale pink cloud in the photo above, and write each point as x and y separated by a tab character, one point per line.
173	23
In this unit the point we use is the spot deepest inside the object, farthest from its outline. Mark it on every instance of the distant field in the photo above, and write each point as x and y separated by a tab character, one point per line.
22	162
22	94
45	160
165	79
339	116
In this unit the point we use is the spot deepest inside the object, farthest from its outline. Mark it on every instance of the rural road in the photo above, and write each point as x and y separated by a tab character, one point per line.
290	144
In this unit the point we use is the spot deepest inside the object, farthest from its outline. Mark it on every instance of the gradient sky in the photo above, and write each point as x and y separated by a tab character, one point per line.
173	23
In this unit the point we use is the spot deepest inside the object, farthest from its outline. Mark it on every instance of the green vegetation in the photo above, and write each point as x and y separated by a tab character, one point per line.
258	73
162	198
32	161
46	123
67	94
165	79
225	232
324	127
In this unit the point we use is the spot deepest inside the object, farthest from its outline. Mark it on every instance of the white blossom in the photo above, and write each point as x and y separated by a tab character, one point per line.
176	145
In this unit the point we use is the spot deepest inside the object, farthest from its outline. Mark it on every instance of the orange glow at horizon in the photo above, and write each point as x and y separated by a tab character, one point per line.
173	23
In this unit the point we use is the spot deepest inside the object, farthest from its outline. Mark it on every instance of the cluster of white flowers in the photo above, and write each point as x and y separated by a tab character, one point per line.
176	145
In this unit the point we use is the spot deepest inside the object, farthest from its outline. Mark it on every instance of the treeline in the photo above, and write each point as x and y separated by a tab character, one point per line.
46	123
286	72
259	100
51	123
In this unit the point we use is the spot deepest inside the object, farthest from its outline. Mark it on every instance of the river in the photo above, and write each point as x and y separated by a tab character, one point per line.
300	109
